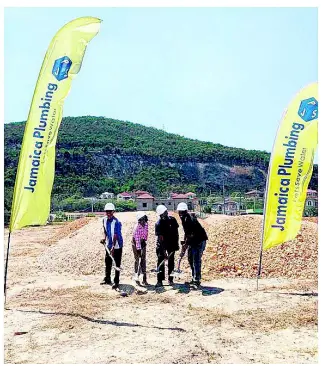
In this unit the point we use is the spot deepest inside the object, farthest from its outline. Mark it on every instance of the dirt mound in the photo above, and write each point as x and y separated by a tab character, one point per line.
68	229
234	246
232	249
82	253
214	219
311	219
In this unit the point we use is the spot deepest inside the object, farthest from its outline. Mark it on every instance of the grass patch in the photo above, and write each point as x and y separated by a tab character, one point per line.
310	351
299	285
64	309
305	315
69	300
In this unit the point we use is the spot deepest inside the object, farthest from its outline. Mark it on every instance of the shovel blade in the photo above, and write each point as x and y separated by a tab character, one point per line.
155	270
177	273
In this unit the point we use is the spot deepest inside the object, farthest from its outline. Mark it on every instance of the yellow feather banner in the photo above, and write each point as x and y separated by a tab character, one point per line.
36	168
290	170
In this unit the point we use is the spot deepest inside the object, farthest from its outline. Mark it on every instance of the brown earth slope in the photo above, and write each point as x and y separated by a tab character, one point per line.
54	299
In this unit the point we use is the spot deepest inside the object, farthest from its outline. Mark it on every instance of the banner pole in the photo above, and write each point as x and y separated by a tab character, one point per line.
263	226
265	197
259	266
6	270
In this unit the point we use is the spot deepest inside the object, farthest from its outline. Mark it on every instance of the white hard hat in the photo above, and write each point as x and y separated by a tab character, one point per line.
140	215
161	209
109	207
182	206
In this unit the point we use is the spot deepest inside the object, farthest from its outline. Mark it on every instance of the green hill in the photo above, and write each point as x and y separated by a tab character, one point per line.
97	154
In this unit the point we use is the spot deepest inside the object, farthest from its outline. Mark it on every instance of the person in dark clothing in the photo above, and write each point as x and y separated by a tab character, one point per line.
113	240
195	241
166	231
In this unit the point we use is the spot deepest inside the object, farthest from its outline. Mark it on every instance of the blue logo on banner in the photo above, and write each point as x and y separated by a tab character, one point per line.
308	110
61	68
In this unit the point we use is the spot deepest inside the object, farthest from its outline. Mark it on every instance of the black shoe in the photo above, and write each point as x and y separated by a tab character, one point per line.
115	286
197	284
159	284
145	280
108	282
190	283
170	282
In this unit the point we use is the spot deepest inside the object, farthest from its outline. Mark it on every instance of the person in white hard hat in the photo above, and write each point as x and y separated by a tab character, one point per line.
195	241
166	231
114	241
140	236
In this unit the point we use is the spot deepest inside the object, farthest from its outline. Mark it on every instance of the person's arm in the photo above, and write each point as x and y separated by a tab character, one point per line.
115	237
146	231
103	234
138	237
158	233
144	236
133	237
188	228
160	237
176	234
183	250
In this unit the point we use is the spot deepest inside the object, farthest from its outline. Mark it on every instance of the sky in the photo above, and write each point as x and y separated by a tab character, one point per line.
223	75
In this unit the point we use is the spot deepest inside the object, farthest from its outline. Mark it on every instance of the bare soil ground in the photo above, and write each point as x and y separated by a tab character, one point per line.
54	298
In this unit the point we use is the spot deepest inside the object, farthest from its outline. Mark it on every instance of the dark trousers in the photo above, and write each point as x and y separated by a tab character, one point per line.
195	260
109	263
171	264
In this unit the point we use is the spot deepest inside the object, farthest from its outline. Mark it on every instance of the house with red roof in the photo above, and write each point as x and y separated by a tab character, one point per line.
145	202
139	193
175	198
124	196
191	195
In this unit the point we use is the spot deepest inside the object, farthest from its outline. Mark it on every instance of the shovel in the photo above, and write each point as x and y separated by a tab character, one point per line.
157	270
136	276
113	260
177	272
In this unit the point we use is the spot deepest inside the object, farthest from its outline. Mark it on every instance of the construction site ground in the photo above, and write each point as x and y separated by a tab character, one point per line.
57	312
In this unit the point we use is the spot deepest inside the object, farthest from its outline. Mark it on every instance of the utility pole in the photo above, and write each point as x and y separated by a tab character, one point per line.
223	195
93	200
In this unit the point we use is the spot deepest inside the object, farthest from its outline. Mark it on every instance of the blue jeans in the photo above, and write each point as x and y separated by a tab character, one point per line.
195	260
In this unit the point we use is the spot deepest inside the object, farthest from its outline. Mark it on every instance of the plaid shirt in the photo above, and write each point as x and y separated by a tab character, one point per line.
140	232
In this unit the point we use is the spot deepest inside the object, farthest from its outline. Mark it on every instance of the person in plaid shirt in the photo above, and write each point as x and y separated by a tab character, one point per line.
140	236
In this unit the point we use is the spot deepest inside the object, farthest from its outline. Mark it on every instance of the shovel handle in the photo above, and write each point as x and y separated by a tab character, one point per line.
138	269
113	259
160	264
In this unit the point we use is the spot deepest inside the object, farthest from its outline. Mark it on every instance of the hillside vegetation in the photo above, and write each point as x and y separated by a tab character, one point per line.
97	154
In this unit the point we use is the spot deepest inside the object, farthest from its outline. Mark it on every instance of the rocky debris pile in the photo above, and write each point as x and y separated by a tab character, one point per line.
232	250
68	229
234	246
311	219
83	254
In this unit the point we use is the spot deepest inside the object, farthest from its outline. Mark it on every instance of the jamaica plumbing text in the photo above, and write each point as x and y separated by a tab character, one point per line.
39	133
287	175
